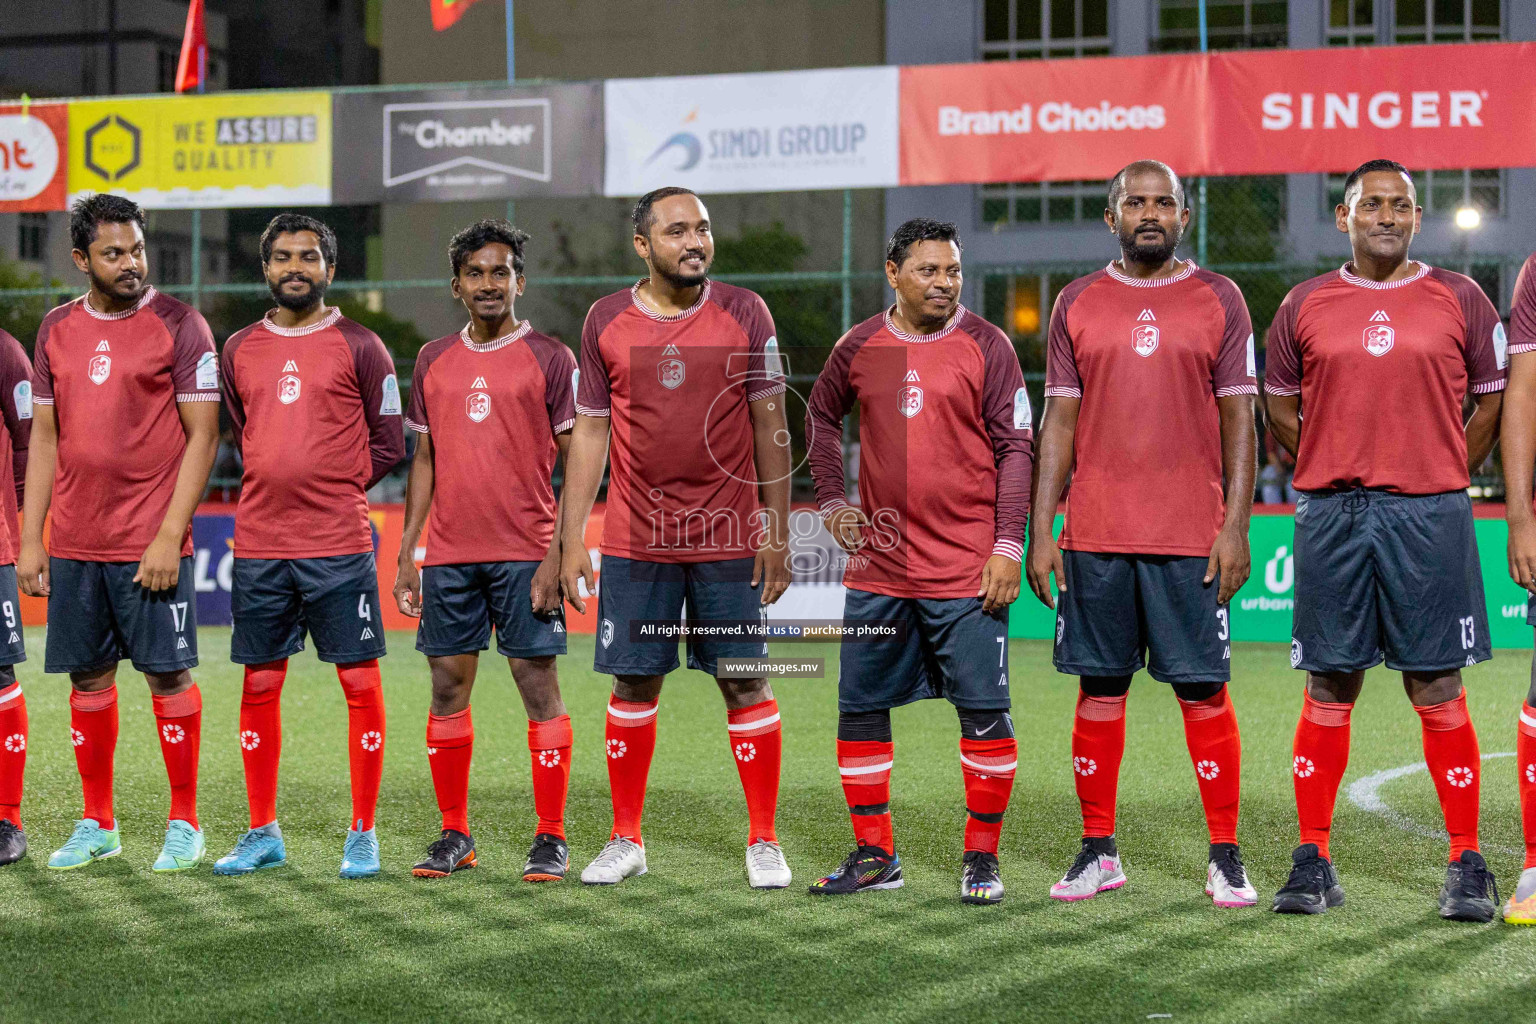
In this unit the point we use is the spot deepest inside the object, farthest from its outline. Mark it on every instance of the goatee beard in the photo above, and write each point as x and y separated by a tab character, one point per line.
299	303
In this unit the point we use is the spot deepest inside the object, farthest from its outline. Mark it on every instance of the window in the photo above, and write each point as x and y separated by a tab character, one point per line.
169	270
31	235
1351	22
1042	202
1230	24
1448	21
1442	193
1022	29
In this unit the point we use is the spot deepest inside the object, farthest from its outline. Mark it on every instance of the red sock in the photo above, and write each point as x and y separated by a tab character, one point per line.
865	766
631	742
1525	775
93	731
1321	753
13	751
450	743
1450	750
1216	750
365	737
757	743
261	737
549	747
1098	744
179	717
988	767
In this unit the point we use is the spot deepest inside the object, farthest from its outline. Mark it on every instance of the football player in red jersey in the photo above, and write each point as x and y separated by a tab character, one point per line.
1156	536
1368	370
16	413
126	424
492	405
683	374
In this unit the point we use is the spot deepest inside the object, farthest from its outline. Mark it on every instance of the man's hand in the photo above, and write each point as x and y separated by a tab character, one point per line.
544	592
847	526
32	569
576	569
771	567
1522	551
1229	560
999	583
1043	559
408	588
160	567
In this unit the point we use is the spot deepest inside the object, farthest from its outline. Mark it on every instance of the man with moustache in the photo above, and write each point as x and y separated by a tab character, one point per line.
1368	370
684	373
125	426
316	412
492	405
1149	387
934	552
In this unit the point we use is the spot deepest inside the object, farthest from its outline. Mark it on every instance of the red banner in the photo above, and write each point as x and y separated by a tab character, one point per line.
1253	112
32	157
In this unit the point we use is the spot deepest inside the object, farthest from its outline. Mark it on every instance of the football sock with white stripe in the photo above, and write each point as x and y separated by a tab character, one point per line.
757	743
13	748
631	743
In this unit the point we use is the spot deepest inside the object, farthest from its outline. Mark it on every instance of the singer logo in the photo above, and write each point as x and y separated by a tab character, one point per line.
1456	109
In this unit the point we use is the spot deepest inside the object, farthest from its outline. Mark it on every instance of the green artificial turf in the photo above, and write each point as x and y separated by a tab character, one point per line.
690	941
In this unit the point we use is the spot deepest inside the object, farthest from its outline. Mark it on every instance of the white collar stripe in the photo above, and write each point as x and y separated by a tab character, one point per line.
1360	282
144	300
954	321
299	332
634	294
1143	282
496	343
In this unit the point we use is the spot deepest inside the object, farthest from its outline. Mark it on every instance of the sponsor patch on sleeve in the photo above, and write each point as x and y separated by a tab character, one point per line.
208	372
1023	416
390	404
22	395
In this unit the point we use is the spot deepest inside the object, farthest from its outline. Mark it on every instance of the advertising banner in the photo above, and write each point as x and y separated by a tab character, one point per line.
1247	112
232	149
752	133
34	141
438	145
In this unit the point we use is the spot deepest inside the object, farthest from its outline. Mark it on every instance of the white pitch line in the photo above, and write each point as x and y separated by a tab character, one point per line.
1366	794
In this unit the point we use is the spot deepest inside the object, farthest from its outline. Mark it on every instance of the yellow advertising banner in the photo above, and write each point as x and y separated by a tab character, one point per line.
229	149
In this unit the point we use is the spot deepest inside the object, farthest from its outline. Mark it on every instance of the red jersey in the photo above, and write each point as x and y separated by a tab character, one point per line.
1522	310
945	452
493	411
1148	359
316	413
1382	370
16	411
681	480
114	380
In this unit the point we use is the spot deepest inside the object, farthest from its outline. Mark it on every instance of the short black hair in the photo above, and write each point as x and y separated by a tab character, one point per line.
290	223
919	229
1352	183
485	232
1117	183
101	208
642	216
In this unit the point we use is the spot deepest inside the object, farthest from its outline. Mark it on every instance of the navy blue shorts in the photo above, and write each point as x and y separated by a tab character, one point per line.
460	604
1391	577
97	616
335	600
1122	611
13	650
630	590
947	648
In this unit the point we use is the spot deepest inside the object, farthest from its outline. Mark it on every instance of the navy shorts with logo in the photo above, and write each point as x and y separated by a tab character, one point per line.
1123	611
13	650
1392	577
948	647
97	616
460	604
630	590
335	600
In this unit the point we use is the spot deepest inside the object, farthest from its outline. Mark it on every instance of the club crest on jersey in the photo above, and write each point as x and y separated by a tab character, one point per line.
100	369
671	373
1378	339
478	406
1144	339
910	401
288	388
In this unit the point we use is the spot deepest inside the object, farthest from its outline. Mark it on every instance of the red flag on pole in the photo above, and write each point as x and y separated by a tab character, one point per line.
192	69
446	12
